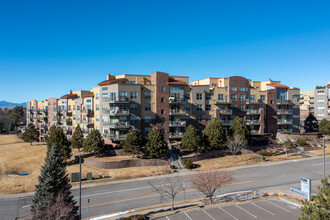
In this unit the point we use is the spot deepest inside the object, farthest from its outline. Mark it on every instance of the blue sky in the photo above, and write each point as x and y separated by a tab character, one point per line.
50	47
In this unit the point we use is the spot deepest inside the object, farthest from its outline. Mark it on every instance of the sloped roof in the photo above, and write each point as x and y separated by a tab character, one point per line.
175	82
90	94
278	86
69	96
109	82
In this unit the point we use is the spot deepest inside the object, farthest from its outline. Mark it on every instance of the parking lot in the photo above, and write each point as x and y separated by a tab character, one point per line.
254	209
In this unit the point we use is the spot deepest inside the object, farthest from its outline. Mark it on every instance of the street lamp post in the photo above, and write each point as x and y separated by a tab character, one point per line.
80	187
323	157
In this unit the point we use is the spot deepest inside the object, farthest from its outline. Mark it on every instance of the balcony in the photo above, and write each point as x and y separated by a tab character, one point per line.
178	123
173	100
252	122
284	121
34	111
117	125
226	111
222	102
226	122
284	111
282	130
69	122
89	112
115	137
119	100
175	135
283	102
254	102
119	112
252	112
84	131
69	114
177	112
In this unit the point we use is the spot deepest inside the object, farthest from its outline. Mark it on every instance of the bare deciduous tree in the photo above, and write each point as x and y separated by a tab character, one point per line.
236	144
57	209
207	182
170	188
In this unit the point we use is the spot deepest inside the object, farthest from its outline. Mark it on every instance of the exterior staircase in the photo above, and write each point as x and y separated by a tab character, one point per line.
176	159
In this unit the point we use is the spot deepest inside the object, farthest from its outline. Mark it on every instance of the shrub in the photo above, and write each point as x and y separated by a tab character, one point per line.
188	164
265	153
301	142
172	167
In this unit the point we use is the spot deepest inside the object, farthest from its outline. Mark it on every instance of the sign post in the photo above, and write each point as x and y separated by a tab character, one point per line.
305	188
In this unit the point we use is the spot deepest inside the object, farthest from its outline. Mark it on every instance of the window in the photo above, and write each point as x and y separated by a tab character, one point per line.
162	100
187	95
187	107
321	109
147	107
226	88
133	107
252	97
242	107
69	107
112	96
122	95
199	107
233	96
187	118
104	94
162	88
78	107
147	95
74	107
97	128
247	89
233	88
207	118
130	82
241	89
321	101
88	100
97	96
134	95
208	96
104	88
262	97
147	119
207	107
220	96
133	119
97	118
241	97
162	111
199	96
147	130
296	97
199	118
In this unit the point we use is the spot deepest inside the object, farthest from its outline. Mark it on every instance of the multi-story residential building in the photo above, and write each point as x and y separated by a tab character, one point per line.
126	101
322	102
306	104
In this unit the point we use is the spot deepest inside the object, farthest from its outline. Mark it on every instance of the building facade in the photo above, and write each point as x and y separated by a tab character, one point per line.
170	103
322	102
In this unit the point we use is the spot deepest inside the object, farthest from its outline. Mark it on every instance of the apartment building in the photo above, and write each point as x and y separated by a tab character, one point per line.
122	102
322	102
306	104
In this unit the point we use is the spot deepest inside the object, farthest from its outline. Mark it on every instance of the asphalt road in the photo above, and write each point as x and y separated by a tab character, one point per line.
122	196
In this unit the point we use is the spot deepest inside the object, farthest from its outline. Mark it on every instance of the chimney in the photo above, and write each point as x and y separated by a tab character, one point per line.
70	92
108	76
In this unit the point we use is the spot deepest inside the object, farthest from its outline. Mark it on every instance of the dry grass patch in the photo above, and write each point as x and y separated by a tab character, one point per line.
241	160
320	152
9	139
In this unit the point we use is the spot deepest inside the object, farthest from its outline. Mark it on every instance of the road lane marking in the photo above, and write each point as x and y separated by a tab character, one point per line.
208	214
228	213
167	217
278	206
26	206
263	209
246	211
187	215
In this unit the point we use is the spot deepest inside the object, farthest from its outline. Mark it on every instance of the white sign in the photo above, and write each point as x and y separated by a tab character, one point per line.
305	190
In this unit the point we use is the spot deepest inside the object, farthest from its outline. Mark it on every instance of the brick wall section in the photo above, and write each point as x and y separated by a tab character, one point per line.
238	81
126	163
271	112
160	80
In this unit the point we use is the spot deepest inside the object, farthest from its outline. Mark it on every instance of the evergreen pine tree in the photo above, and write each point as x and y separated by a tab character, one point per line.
324	127
214	134
310	124
77	138
94	143
133	142
53	180
57	136
239	127
31	134
192	139
156	146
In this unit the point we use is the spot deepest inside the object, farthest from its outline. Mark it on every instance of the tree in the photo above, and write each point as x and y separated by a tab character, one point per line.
208	182
319	208
77	138
236	144
57	136
170	187
215	134
133	142
310	124
192	139
17	115
53	180
238	126
156	146
286	145
31	134
94	143
324	127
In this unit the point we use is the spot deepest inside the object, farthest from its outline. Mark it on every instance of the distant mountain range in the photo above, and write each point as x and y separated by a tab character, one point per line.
4	104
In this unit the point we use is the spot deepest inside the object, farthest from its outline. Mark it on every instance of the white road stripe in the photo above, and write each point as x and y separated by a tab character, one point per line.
228	213
167	217
246	211
208	214
26	206
187	215
263	209
279	206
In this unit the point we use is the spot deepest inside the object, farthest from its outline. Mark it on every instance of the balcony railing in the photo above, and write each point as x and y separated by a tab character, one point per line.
115	137
226	122
119	100
284	121
252	112
226	111
116	125
284	111
176	100
177	112
222	102
252	122
283	102
119	112
253	102
176	135
178	123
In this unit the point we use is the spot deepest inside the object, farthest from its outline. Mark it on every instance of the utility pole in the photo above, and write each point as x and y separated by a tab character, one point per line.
323	157
80	187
